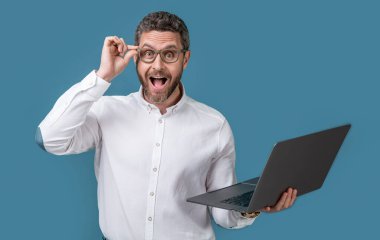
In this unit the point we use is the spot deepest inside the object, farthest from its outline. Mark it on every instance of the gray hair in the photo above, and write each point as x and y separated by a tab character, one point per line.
163	21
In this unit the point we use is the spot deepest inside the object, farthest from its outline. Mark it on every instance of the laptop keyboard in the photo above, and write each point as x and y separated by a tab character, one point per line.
240	200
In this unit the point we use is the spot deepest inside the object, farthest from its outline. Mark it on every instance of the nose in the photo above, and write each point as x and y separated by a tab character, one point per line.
157	63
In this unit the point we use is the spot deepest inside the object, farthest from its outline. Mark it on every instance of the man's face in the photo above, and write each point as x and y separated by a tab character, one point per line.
158	78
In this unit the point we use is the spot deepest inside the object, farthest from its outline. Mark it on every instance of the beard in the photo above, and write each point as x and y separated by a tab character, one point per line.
161	96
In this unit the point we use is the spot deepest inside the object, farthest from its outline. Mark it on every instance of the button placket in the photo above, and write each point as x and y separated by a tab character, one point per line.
156	159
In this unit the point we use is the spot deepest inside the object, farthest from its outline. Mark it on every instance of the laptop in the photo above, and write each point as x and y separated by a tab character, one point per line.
301	163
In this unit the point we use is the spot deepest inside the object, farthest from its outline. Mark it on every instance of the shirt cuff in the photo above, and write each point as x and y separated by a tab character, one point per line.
242	221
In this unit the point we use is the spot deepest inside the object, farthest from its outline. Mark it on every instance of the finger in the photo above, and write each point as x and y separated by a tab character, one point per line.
132	47
280	203
110	40
288	198
119	44
294	196
128	55
125	47
115	42
122	46
266	209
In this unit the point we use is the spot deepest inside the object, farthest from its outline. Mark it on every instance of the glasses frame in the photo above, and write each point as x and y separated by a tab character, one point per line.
159	52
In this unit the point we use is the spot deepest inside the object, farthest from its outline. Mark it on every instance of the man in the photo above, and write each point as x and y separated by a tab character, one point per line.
154	148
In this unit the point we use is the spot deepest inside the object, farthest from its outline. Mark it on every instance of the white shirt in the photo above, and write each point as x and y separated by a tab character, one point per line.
147	164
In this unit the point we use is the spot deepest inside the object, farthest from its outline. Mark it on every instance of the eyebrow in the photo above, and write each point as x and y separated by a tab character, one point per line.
166	47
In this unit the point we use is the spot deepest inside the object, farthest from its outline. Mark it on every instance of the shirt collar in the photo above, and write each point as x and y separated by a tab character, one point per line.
172	109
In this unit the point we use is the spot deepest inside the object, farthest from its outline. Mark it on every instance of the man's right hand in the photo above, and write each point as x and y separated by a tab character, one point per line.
115	57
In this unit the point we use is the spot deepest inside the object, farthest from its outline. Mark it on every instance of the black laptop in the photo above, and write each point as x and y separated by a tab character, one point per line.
301	163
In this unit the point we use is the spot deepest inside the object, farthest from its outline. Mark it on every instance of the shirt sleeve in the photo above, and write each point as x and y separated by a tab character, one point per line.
71	126
222	174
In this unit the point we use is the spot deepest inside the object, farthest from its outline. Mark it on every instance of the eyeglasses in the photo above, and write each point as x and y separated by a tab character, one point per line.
148	55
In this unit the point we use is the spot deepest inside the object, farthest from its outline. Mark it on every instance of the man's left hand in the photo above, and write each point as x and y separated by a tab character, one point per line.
286	201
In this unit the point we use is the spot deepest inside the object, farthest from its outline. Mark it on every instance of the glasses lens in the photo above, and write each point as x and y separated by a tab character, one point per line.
147	55
169	55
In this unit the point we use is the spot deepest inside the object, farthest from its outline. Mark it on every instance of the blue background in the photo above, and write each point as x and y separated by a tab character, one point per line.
275	69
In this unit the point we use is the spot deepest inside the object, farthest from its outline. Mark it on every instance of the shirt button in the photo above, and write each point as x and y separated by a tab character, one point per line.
151	193
157	144
154	169
149	218
160	121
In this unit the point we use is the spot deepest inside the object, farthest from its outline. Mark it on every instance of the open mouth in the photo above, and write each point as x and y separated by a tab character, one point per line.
158	82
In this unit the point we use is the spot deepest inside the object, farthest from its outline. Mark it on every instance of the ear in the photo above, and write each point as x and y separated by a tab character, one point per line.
186	59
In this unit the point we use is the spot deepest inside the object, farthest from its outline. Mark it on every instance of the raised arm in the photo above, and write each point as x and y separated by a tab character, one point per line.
71	126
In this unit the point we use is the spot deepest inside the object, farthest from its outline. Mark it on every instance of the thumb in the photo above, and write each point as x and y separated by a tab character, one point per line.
266	209
128	55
